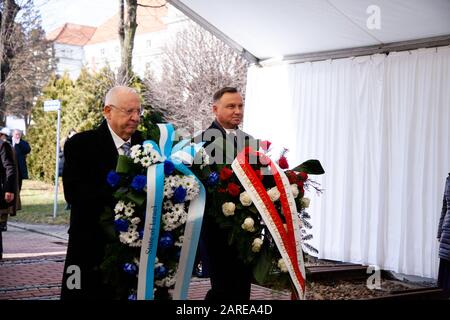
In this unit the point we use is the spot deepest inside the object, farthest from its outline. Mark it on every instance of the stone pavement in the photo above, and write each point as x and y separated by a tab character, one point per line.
33	262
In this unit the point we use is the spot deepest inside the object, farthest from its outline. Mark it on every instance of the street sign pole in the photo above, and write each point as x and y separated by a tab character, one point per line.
55	105
55	204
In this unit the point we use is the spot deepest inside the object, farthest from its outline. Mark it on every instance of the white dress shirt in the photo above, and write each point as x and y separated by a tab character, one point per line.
118	141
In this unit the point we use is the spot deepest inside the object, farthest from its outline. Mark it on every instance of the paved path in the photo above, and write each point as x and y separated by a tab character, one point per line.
33	262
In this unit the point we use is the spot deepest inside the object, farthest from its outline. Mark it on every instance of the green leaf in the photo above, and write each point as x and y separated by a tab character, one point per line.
124	164
311	167
137	198
120	193
263	265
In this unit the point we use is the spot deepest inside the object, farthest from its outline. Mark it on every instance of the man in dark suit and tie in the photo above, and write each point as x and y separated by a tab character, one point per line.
230	277
89	156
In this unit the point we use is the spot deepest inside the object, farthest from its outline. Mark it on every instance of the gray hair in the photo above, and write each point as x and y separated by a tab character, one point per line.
111	94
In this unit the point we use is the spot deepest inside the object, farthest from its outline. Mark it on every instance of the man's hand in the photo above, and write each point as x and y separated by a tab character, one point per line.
9	196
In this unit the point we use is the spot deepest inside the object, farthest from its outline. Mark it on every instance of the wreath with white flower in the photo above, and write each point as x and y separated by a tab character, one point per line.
120	267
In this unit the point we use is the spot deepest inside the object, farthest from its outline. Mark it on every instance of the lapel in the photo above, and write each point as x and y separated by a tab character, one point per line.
107	148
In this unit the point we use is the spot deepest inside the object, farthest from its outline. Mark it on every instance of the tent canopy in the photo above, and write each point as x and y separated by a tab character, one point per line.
268	29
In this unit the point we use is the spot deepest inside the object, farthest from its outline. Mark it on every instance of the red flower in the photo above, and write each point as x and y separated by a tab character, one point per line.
292	176
283	163
233	189
265	145
303	176
300	184
225	173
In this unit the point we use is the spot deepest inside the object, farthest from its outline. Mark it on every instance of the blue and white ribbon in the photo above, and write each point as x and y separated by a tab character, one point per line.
181	154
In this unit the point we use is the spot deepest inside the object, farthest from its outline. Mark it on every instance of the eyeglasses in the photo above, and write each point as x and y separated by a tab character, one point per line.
129	112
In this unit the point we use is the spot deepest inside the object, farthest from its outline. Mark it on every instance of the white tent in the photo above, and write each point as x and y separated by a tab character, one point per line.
378	122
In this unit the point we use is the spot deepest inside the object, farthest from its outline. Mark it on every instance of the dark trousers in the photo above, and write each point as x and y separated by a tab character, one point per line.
230	278
444	276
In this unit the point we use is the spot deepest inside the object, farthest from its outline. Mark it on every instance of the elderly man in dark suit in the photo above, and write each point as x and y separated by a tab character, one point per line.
230	277
89	156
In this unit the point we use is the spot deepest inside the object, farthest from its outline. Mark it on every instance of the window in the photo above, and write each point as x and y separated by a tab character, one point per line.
149	43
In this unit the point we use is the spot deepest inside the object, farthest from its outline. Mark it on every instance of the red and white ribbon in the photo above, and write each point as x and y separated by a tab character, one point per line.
288	240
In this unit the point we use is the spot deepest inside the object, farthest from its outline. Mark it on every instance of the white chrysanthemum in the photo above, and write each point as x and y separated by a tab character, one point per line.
188	182
154	156
170	180
179	243
274	194
168	191
147	148
123	237
135	153
118	216
146	162
178	208
294	189
135	220
305	202
128	237
129	211
191	194
245	199
282	265
136	244
137	160
228	208
135	147
119	206
256	245
131	204
248	225
133	236
167	205
132	228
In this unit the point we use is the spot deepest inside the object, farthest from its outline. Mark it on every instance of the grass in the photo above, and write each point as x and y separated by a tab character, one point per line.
37	204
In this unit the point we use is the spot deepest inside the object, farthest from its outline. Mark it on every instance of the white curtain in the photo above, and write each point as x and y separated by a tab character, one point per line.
380	125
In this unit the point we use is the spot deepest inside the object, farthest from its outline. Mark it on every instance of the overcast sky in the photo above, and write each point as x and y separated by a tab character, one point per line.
55	13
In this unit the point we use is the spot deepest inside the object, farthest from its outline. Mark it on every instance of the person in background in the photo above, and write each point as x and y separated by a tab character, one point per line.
22	149
444	241
8	181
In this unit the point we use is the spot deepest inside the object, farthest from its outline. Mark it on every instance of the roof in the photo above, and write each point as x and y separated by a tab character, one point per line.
273	29
148	20
71	33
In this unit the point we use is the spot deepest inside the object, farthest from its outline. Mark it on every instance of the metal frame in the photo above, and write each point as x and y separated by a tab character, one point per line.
361	51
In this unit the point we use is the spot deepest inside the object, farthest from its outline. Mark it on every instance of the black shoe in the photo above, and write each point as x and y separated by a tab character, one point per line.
3	226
